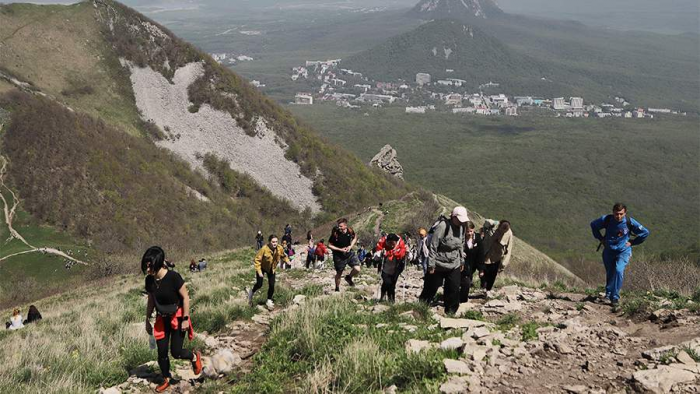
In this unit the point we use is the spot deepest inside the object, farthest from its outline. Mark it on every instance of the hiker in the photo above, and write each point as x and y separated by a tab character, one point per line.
445	256
393	249
290	253
423	250
473	252
193	266
361	254
310	250
33	315
259	240
617	244
202	265
320	252
287	234
341	242
15	322
167	293
266	261
498	249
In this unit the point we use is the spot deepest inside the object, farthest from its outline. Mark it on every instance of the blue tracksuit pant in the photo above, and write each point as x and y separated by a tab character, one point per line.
615	264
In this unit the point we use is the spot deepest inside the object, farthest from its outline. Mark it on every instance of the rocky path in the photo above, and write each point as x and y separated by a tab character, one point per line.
9	211
526	341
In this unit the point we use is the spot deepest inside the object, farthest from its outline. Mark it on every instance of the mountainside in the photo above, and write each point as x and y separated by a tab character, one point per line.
142	139
456	9
536	58
470	53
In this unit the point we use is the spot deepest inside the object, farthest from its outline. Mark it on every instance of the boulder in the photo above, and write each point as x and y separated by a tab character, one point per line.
415	345
111	390
684	358
456	367
454	343
480	332
386	160
662	379
224	361
659	352
299	299
454	385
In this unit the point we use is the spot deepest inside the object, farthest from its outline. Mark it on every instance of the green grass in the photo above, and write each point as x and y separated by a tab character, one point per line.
330	343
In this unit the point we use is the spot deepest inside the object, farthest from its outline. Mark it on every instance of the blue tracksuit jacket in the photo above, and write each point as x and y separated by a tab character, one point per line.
617	234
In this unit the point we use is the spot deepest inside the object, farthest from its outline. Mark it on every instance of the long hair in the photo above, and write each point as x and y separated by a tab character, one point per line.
503	227
155	257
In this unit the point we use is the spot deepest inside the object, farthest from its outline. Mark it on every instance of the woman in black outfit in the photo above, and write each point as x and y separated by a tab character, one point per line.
167	293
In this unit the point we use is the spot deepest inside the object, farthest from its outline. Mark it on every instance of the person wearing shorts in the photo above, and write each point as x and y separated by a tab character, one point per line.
341	242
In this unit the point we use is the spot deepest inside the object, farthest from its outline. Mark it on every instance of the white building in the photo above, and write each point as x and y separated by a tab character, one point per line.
453	99
512	111
576	103
559	104
377	98
524	100
423	79
303	99
415	110
659	110
499	100
463	110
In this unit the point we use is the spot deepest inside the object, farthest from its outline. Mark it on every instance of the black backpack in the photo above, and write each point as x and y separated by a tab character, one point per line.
606	223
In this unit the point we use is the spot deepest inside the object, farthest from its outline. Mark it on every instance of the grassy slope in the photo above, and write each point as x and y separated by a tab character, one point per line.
550	177
59	50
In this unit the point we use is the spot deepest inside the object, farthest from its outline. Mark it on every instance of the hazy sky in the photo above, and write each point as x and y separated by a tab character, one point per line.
666	16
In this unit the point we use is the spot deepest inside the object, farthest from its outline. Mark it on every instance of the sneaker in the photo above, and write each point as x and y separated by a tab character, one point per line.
250	298
197	363
163	386
348	279
270	305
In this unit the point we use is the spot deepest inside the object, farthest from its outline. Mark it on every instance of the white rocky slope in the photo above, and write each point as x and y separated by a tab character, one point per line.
211	131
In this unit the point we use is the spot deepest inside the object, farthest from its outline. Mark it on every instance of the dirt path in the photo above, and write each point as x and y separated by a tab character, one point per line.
9	213
378	222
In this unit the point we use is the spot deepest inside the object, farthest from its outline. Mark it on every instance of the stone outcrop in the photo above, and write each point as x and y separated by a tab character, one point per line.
386	160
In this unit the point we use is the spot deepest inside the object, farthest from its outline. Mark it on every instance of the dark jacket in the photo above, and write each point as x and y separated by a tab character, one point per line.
474	257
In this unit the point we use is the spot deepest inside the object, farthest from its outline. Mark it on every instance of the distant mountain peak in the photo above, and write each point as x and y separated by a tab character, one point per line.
457	9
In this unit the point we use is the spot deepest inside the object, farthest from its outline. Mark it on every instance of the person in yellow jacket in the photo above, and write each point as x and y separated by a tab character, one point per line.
266	260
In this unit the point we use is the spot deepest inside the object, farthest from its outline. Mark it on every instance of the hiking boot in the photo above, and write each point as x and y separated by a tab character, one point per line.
348	279
163	386
337	289
197	363
270	305
250	297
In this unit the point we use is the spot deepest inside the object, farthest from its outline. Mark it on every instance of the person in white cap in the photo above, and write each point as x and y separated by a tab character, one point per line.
446	258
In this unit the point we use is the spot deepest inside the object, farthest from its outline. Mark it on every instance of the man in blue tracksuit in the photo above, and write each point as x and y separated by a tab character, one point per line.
618	247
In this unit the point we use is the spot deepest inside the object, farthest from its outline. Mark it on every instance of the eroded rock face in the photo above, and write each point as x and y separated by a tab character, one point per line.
386	160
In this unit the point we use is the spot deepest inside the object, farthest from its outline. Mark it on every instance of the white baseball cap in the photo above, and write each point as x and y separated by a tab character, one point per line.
461	214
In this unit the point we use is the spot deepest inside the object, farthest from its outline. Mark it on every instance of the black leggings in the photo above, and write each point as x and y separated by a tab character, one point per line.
389	286
270	286
465	284
176	339
310	260
490	273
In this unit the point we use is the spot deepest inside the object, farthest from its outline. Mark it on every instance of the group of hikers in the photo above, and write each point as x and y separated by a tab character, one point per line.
449	253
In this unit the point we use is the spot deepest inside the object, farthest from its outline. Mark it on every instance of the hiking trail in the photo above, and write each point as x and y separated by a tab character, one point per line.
9	213
573	344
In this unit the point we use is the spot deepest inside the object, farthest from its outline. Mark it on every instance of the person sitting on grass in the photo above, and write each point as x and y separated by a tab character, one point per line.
266	260
193	266
33	315
167	294
15	322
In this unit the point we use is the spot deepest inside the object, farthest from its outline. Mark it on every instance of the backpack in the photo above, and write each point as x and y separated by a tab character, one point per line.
606	223
442	218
